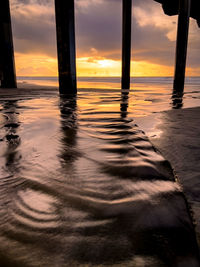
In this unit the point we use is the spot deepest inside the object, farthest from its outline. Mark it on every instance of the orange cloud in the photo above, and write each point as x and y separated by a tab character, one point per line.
98	39
40	65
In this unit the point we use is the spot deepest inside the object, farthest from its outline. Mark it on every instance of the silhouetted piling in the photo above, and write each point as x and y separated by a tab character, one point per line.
65	26
181	46
126	43
7	63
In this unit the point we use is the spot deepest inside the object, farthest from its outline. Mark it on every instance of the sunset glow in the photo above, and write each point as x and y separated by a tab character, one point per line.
40	65
98	39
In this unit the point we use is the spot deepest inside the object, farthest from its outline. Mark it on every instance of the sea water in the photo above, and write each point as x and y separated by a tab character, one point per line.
146	90
81	184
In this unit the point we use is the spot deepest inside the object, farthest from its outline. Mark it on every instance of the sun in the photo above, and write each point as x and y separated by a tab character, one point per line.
105	63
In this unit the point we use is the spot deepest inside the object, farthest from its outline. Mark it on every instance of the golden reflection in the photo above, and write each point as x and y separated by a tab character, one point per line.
69	126
177	99
113	192
124	103
12	138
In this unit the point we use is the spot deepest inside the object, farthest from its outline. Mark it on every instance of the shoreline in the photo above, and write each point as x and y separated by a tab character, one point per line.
179	143
27	89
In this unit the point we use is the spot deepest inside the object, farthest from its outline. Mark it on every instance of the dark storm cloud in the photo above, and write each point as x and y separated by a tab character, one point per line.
98	28
33	26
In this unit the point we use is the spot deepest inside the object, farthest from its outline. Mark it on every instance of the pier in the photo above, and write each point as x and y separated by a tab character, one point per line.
184	9
65	28
66	44
181	45
105	177
7	63
126	43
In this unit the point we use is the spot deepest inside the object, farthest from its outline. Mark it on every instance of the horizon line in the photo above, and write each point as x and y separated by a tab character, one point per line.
20	76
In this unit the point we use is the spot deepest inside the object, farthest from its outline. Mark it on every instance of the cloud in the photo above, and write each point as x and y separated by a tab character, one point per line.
33	24
99	30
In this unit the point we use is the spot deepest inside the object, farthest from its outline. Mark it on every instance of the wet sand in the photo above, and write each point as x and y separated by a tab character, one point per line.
179	142
81	185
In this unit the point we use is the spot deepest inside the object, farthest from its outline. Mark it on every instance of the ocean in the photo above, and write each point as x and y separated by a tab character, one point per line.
147	94
108	82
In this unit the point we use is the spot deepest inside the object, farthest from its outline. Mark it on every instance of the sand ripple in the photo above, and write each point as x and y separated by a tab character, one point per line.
81	185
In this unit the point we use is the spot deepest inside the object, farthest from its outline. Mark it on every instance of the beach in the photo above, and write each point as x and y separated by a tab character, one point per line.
180	144
99	135
83	182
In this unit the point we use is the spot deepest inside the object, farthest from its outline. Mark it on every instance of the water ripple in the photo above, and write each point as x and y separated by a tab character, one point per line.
82	185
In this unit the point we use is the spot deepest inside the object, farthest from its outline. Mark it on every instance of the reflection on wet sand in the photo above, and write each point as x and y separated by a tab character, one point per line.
124	103
101	194
177	99
69	126
12	139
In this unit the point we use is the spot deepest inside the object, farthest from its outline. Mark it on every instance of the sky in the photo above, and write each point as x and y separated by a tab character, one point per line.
98	39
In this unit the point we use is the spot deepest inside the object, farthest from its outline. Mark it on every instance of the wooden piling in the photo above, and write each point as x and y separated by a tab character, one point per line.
65	27
181	45
126	43
7	63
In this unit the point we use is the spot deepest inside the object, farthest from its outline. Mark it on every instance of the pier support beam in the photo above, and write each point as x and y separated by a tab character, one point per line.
126	43
181	45
65	27
7	63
